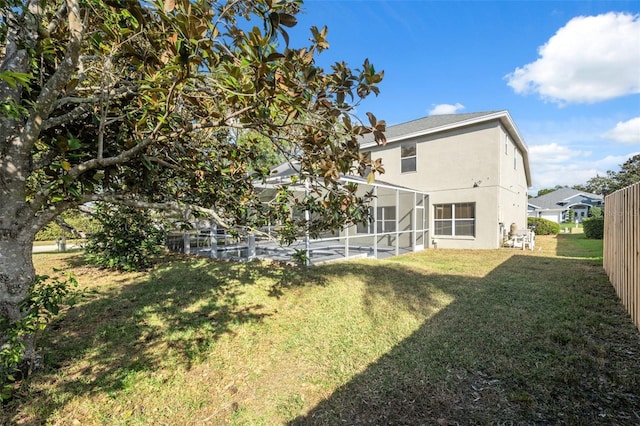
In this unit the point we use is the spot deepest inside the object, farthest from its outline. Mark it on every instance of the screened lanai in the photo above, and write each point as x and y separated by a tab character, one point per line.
399	226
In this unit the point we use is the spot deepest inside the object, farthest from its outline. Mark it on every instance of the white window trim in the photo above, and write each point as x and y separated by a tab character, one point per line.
453	222
415	156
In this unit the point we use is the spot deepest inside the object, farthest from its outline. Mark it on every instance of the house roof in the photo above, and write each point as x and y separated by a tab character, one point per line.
284	171
441	123
553	200
426	125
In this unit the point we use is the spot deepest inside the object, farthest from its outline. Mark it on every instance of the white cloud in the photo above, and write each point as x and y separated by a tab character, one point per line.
552	153
553	164
625	132
590	59
446	109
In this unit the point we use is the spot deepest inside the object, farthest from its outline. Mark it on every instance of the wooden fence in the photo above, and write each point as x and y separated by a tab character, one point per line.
622	246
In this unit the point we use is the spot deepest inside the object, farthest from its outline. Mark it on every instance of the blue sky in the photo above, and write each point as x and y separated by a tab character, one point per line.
567	71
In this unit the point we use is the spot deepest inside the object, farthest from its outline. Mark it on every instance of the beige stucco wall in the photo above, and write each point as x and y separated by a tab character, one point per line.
465	165
513	200
452	161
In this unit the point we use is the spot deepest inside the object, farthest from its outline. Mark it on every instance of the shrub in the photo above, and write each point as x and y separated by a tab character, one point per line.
543	226
593	227
127	241
571	215
595	212
46	297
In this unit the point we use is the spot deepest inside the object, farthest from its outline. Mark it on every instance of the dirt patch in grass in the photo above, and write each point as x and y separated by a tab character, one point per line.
437	337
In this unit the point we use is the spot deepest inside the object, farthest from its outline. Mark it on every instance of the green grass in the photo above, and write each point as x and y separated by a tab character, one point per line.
437	337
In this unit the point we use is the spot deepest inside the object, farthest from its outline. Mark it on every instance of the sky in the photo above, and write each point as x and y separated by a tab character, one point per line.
568	72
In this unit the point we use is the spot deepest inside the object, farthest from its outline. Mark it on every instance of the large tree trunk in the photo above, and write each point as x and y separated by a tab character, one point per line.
16	276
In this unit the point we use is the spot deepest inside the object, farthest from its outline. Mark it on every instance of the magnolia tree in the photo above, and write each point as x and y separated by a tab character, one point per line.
141	103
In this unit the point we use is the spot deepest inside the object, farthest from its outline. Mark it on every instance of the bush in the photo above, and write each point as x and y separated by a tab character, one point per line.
543	226
127	241
46	297
595	212
593	227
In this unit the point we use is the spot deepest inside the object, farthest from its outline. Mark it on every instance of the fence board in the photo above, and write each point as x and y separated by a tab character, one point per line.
622	246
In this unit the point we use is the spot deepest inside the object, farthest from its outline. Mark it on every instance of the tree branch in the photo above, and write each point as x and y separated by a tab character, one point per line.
50	214
125	156
56	19
57	81
74	114
172	206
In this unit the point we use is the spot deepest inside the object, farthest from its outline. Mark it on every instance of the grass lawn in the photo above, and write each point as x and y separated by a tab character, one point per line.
439	337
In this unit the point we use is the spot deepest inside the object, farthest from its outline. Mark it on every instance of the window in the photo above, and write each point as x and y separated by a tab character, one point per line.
386	221
408	158
506	144
515	157
455	219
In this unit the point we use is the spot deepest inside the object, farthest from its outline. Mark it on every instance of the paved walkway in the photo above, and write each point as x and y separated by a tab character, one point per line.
52	248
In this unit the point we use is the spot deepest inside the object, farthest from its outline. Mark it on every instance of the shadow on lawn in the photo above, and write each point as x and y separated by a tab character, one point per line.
539	340
124	330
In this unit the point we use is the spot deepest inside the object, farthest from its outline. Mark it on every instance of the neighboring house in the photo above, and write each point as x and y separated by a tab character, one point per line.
475	168
555	205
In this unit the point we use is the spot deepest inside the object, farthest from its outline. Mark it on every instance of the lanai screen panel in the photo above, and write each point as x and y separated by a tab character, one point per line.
406	207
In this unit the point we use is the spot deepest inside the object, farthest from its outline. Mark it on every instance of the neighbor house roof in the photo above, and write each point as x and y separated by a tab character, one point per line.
558	199
441	123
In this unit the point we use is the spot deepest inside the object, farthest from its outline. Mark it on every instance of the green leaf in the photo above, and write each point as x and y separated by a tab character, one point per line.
14	78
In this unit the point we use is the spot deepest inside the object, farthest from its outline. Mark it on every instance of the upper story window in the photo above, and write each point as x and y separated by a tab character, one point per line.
408	158
515	158
506	144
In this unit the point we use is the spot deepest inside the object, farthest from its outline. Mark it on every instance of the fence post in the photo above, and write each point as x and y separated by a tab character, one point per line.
213	237
251	253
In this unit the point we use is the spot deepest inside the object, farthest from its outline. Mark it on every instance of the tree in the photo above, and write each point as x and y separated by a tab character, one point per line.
137	102
595	212
628	175
544	191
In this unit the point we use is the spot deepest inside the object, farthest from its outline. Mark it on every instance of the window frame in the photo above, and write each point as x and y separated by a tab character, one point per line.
406	159
384	223
454	222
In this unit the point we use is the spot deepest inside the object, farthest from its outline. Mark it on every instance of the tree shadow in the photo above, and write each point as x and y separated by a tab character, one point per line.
123	329
538	340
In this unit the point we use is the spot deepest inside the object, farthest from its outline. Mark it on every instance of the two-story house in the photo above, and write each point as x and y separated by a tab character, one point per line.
475	168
